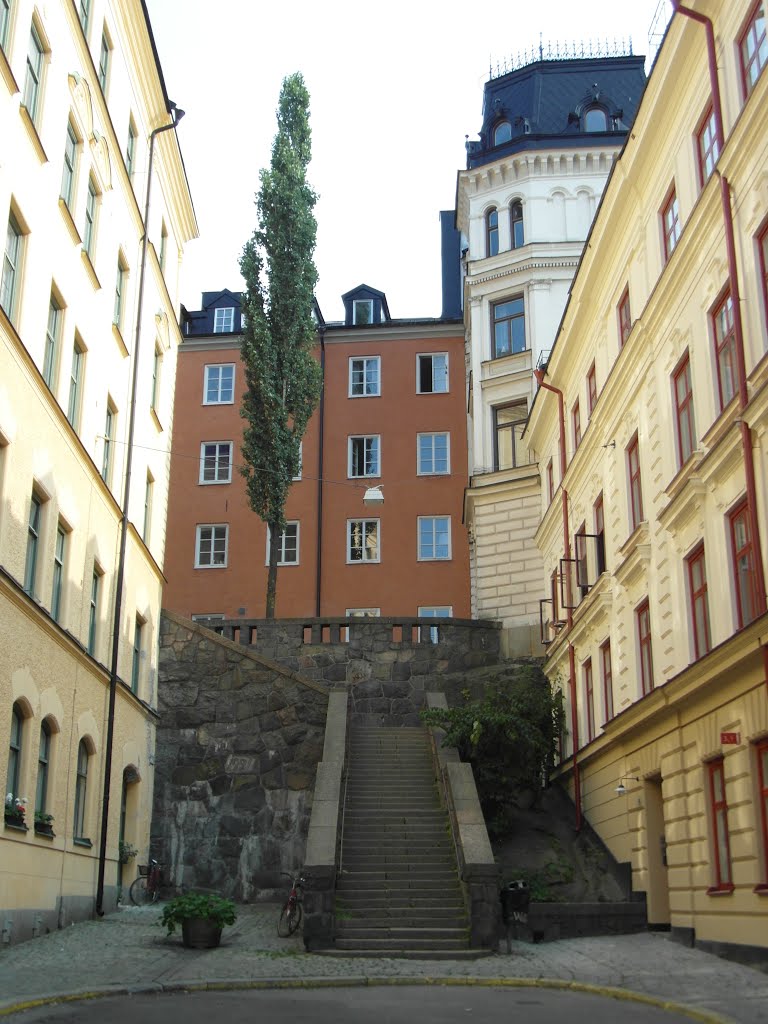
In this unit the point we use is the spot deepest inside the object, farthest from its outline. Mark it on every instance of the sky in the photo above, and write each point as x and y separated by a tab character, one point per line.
394	90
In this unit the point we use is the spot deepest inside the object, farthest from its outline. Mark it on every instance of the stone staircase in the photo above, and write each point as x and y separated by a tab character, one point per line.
398	893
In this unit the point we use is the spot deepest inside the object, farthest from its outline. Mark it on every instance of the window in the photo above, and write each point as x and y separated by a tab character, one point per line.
508	327
591	390
148	491
581	560
607	672
625	318
163	257
287	545
595	120
215	462
492	232
707	145
725	350
11	279
157	366
743	565
109	443
434	612
93	610
81	790
85	13
670	223
34	74
718	806
362	311
697	589
363	540
550	482
643	616
211	546
364	376
599	515
120	279
138	628
589	699
33	543
219	384
686	429
58	572
763	247
508	424
89	229
224	320
753	48
104	55
434	538
130	148
432	373
5	21
43	764
52	342
13	783
433	454
516	225
762	795
502	133
363	456
75	384
576	420
635	488
70	163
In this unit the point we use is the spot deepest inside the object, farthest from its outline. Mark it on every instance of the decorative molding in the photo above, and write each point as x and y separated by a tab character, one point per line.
83	103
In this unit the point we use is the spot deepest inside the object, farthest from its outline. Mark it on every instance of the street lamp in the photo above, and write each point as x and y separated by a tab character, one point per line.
374	496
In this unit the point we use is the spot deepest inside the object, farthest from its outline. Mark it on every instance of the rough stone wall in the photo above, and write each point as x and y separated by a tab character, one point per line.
238	744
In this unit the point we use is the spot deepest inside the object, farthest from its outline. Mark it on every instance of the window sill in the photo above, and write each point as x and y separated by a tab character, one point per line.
82	841
720	890
34	138
71	226
156	419
7	74
90	269
220	566
117	334
16	828
761	889
46	832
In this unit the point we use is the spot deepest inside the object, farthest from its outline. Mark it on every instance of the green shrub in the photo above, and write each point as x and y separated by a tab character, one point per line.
206	905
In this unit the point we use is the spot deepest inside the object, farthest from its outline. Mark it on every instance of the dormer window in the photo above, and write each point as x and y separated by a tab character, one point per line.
516	225
502	133
224	320
492	232
362	311
595	120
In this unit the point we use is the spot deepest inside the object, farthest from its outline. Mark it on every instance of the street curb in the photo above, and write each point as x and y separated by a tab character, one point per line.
364	981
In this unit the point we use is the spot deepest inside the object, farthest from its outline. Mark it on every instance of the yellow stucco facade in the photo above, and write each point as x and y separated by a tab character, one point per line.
655	620
80	94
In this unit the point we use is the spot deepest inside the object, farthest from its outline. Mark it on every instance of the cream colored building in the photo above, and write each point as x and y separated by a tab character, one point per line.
656	618
80	94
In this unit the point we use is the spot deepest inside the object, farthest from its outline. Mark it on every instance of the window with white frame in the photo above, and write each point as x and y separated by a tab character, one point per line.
434	612
224	320
433	453
211	543
288	545
363	540
362	311
105	52
33	77
301	461
364	376
10	281
362	613
363	456
434	534
432	373
219	384
215	462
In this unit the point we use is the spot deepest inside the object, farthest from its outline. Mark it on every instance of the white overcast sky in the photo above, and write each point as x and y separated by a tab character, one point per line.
394	89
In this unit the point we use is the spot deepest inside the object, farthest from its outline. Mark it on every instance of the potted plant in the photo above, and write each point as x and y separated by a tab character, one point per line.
44	823
126	852
201	916
15	809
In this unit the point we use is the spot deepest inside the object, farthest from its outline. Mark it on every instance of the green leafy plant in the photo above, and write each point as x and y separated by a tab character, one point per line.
126	852
213	908
43	818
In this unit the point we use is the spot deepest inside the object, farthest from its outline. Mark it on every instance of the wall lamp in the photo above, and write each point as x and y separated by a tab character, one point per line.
621	789
374	496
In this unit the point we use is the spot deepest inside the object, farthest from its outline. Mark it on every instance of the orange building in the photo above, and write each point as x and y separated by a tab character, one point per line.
392	420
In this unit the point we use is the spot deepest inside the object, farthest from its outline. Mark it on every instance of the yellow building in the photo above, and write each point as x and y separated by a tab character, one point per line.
83	107
654	540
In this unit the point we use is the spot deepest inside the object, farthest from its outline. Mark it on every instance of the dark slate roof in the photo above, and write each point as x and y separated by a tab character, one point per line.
545	102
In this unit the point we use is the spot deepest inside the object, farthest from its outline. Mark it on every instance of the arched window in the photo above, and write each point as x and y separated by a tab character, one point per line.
81	789
492	232
516	225
502	133
43	761
595	120
13	784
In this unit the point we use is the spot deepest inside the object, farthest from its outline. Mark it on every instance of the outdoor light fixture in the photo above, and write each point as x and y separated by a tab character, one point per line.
373	496
621	789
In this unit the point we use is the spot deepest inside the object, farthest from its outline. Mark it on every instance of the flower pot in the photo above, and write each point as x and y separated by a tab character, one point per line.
44	829
200	933
15	820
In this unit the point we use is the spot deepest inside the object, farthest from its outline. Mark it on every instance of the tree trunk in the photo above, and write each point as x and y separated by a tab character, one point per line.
274	549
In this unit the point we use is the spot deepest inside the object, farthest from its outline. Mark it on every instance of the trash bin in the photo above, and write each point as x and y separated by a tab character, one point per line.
515	897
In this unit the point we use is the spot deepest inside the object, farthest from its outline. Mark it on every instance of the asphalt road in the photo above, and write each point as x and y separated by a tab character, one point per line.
379	1005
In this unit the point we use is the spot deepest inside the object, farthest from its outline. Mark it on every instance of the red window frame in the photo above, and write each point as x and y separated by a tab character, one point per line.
699	597
607	673
718	806
753	48
684	417
708	145
743	564
576	420
635	483
492	232
761	752
550	481
553	594
599	514
725	349
625	317
643	616
670	223
589	698
591	389
762	245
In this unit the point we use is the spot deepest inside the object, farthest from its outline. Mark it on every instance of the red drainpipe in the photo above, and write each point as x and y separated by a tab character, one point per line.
539	375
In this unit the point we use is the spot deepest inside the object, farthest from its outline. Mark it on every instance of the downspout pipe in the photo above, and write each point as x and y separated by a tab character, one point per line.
177	115
539	375
321	430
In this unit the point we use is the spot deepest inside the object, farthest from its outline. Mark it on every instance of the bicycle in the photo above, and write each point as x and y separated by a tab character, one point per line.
291	913
146	888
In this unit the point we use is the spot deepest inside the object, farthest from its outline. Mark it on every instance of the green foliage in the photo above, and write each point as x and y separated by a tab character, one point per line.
194	904
283	378
126	852
541	881
508	736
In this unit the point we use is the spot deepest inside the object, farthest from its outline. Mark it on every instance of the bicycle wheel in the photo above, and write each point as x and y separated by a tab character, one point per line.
290	919
139	892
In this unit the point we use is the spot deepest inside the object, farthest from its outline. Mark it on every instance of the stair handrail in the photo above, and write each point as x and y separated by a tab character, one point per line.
345	775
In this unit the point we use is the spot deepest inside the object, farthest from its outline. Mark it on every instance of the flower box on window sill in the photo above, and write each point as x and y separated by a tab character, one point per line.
82	841
721	890
44	829
761	889
15	821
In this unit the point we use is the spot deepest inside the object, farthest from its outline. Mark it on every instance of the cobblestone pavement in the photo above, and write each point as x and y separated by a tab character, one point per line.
128	950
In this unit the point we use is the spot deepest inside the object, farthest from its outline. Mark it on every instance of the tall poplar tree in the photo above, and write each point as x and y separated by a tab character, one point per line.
282	376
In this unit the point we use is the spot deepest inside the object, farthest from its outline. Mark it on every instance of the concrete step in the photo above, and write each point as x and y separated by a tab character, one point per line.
402	916
407	954
371	860
402	942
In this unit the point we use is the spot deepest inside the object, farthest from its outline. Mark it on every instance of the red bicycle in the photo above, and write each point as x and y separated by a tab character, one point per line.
146	888
291	912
